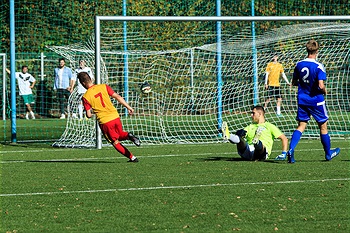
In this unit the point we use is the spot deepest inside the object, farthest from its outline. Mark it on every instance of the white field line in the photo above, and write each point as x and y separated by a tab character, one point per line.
173	187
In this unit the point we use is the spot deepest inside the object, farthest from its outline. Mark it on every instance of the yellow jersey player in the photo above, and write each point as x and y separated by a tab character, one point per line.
274	70
97	99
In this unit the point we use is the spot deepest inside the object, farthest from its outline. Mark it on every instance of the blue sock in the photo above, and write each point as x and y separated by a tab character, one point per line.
295	139
326	142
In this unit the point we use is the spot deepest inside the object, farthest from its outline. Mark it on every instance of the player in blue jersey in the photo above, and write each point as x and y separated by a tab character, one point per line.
309	75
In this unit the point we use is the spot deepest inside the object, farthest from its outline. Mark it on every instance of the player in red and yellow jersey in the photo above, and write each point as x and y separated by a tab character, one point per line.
97	99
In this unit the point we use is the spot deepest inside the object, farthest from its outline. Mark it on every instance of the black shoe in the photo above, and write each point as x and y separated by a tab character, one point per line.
134	139
133	161
241	133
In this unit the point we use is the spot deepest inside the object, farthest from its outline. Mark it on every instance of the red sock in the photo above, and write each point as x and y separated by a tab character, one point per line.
123	150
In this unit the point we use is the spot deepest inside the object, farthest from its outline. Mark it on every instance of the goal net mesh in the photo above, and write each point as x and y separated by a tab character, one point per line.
183	104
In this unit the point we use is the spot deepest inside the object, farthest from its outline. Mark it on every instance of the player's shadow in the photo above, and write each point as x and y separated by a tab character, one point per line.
217	158
229	159
67	161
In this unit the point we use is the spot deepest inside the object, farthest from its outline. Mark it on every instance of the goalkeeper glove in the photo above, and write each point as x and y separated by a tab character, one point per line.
241	133
282	156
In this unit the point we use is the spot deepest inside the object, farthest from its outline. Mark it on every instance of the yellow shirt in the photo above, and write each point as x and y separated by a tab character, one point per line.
267	137
274	69
98	98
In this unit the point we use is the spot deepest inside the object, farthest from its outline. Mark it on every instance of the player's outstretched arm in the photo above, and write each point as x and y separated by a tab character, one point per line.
284	140
123	102
283	155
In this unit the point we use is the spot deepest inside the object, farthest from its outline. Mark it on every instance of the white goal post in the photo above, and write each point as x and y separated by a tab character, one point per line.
181	109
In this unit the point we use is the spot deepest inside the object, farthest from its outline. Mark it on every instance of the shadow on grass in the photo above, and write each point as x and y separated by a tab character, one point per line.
217	158
59	161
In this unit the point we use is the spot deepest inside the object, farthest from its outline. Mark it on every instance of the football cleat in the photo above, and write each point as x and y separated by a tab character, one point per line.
290	155
334	153
134	139
133	161
225	131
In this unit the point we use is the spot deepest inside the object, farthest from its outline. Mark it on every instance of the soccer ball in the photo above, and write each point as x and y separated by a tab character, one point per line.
145	88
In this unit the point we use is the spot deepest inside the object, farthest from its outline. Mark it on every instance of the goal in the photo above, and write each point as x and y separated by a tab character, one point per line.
187	103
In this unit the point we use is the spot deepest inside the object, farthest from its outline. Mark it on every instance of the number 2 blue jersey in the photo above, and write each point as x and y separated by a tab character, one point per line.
308	72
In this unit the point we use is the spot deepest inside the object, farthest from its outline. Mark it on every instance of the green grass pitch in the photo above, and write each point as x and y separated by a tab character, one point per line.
174	188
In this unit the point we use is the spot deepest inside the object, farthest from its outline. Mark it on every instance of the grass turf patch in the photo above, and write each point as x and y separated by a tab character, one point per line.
174	188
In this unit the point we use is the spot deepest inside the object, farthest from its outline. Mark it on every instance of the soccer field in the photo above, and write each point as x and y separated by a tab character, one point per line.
174	188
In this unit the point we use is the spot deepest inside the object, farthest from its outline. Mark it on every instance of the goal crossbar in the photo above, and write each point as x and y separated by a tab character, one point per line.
223	18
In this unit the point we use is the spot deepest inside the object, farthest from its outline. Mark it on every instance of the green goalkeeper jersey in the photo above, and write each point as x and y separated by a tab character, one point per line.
267	137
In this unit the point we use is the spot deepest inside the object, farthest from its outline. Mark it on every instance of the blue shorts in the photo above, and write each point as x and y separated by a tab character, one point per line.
319	113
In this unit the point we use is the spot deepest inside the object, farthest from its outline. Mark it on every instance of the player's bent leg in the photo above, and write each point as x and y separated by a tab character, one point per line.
124	151
247	152
260	151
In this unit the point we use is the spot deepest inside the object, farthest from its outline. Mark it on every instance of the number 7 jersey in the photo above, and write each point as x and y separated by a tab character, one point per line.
97	97
308	72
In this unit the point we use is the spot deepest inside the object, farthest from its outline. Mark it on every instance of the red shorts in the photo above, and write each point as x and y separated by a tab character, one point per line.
113	131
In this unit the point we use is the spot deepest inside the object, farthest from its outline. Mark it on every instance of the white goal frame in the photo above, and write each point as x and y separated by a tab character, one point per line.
99	19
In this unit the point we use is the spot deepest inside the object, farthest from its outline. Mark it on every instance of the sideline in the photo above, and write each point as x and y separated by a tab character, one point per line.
172	187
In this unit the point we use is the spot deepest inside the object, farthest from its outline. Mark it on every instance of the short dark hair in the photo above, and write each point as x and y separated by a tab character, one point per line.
259	108
83	77
24	67
61	59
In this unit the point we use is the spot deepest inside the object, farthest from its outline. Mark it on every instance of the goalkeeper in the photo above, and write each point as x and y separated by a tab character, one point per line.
255	141
97	98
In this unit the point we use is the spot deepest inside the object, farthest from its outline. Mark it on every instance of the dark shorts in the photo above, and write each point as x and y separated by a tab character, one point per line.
274	92
249	153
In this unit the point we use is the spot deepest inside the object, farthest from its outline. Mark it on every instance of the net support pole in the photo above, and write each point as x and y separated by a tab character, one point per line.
98	73
191	81
126	59
3	55
218	64
13	72
42	75
255	62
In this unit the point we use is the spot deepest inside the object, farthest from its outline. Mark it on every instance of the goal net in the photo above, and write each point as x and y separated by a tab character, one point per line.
187	103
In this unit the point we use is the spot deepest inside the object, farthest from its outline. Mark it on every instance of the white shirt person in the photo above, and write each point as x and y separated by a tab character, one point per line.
81	90
26	82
